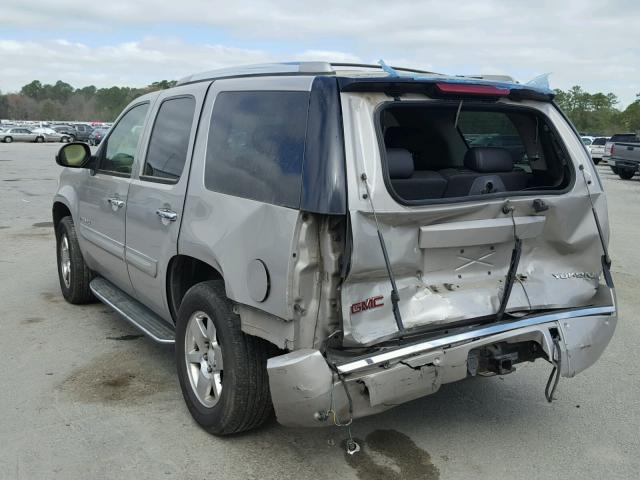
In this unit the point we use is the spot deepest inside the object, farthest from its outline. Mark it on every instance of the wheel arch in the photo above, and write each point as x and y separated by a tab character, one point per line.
183	272
59	211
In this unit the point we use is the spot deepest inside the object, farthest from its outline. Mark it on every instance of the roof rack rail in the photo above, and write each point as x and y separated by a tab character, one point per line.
379	67
285	68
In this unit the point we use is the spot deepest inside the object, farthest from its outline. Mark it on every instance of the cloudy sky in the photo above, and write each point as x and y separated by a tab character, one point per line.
592	43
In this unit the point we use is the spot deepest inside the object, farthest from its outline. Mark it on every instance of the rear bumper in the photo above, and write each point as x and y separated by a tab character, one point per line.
304	387
625	164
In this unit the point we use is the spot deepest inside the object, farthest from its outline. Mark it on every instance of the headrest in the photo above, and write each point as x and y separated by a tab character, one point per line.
400	163
403	137
488	160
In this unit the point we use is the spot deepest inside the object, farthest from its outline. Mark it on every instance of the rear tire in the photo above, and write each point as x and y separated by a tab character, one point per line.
596	161
626	174
614	169
8	140
232	366
73	273
39	139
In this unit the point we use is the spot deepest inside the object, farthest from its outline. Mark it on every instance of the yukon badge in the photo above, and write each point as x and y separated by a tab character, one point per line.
566	275
368	304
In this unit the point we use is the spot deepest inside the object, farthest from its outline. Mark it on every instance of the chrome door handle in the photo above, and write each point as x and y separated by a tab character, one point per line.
166	214
115	203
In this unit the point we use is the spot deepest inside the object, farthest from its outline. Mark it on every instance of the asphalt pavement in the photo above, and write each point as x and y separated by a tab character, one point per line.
84	396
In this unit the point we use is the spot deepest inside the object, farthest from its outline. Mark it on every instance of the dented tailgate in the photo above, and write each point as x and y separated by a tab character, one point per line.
450	260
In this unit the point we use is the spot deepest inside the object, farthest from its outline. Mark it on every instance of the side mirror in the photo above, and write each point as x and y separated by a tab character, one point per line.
74	155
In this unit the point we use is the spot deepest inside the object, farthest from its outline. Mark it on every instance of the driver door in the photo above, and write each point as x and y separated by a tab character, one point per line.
102	198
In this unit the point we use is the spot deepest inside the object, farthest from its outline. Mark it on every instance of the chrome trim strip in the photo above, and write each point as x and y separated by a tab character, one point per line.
141	261
106	301
103	241
470	335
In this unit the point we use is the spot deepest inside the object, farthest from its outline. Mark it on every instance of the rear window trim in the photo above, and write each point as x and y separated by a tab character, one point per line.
437	103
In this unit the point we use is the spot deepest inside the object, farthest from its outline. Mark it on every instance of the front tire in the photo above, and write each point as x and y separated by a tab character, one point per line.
626	174
8	140
596	161
222	371
39	139
73	273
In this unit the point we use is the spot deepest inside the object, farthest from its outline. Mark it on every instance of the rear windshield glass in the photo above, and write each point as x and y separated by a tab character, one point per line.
629	137
437	153
600	141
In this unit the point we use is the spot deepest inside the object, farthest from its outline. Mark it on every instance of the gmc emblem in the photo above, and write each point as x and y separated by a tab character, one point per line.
368	304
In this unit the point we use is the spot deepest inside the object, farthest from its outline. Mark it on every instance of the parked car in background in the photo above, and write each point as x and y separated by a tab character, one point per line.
51	135
625	156
618	137
235	216
597	149
83	132
66	129
587	140
20	134
97	135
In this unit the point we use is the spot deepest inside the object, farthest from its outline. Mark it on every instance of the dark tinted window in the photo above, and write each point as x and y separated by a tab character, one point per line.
256	145
600	141
122	144
628	137
170	138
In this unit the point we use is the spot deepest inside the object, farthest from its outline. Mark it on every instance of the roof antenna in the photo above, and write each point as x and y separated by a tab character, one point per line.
395	297
455	125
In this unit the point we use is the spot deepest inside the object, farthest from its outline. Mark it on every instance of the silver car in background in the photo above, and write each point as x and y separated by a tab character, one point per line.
51	135
20	134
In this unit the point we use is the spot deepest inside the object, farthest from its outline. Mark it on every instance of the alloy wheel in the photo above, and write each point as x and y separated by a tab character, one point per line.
203	357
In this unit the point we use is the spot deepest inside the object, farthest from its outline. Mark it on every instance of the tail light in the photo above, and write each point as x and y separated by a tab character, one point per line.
468	89
613	147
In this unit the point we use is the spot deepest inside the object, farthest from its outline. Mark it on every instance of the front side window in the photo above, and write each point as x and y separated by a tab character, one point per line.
256	145
169	141
122	144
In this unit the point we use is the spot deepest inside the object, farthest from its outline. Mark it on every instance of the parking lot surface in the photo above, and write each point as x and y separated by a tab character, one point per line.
84	396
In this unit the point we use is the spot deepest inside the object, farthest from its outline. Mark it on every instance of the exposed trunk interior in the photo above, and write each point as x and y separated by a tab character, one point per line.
439	152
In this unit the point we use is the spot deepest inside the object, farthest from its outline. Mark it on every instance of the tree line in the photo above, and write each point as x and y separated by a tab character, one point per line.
591	113
597	113
61	101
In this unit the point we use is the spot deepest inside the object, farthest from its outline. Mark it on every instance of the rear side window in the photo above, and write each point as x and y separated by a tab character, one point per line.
169	141
256	146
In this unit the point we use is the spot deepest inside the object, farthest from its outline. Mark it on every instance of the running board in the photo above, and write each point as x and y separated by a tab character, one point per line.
132	310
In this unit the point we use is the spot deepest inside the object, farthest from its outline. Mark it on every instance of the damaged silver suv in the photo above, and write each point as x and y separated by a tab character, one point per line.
329	241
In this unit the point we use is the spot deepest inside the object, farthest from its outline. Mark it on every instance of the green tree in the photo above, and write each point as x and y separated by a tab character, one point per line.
4	106
33	90
49	110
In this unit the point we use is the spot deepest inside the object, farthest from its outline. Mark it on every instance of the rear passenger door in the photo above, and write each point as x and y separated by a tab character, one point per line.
156	195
